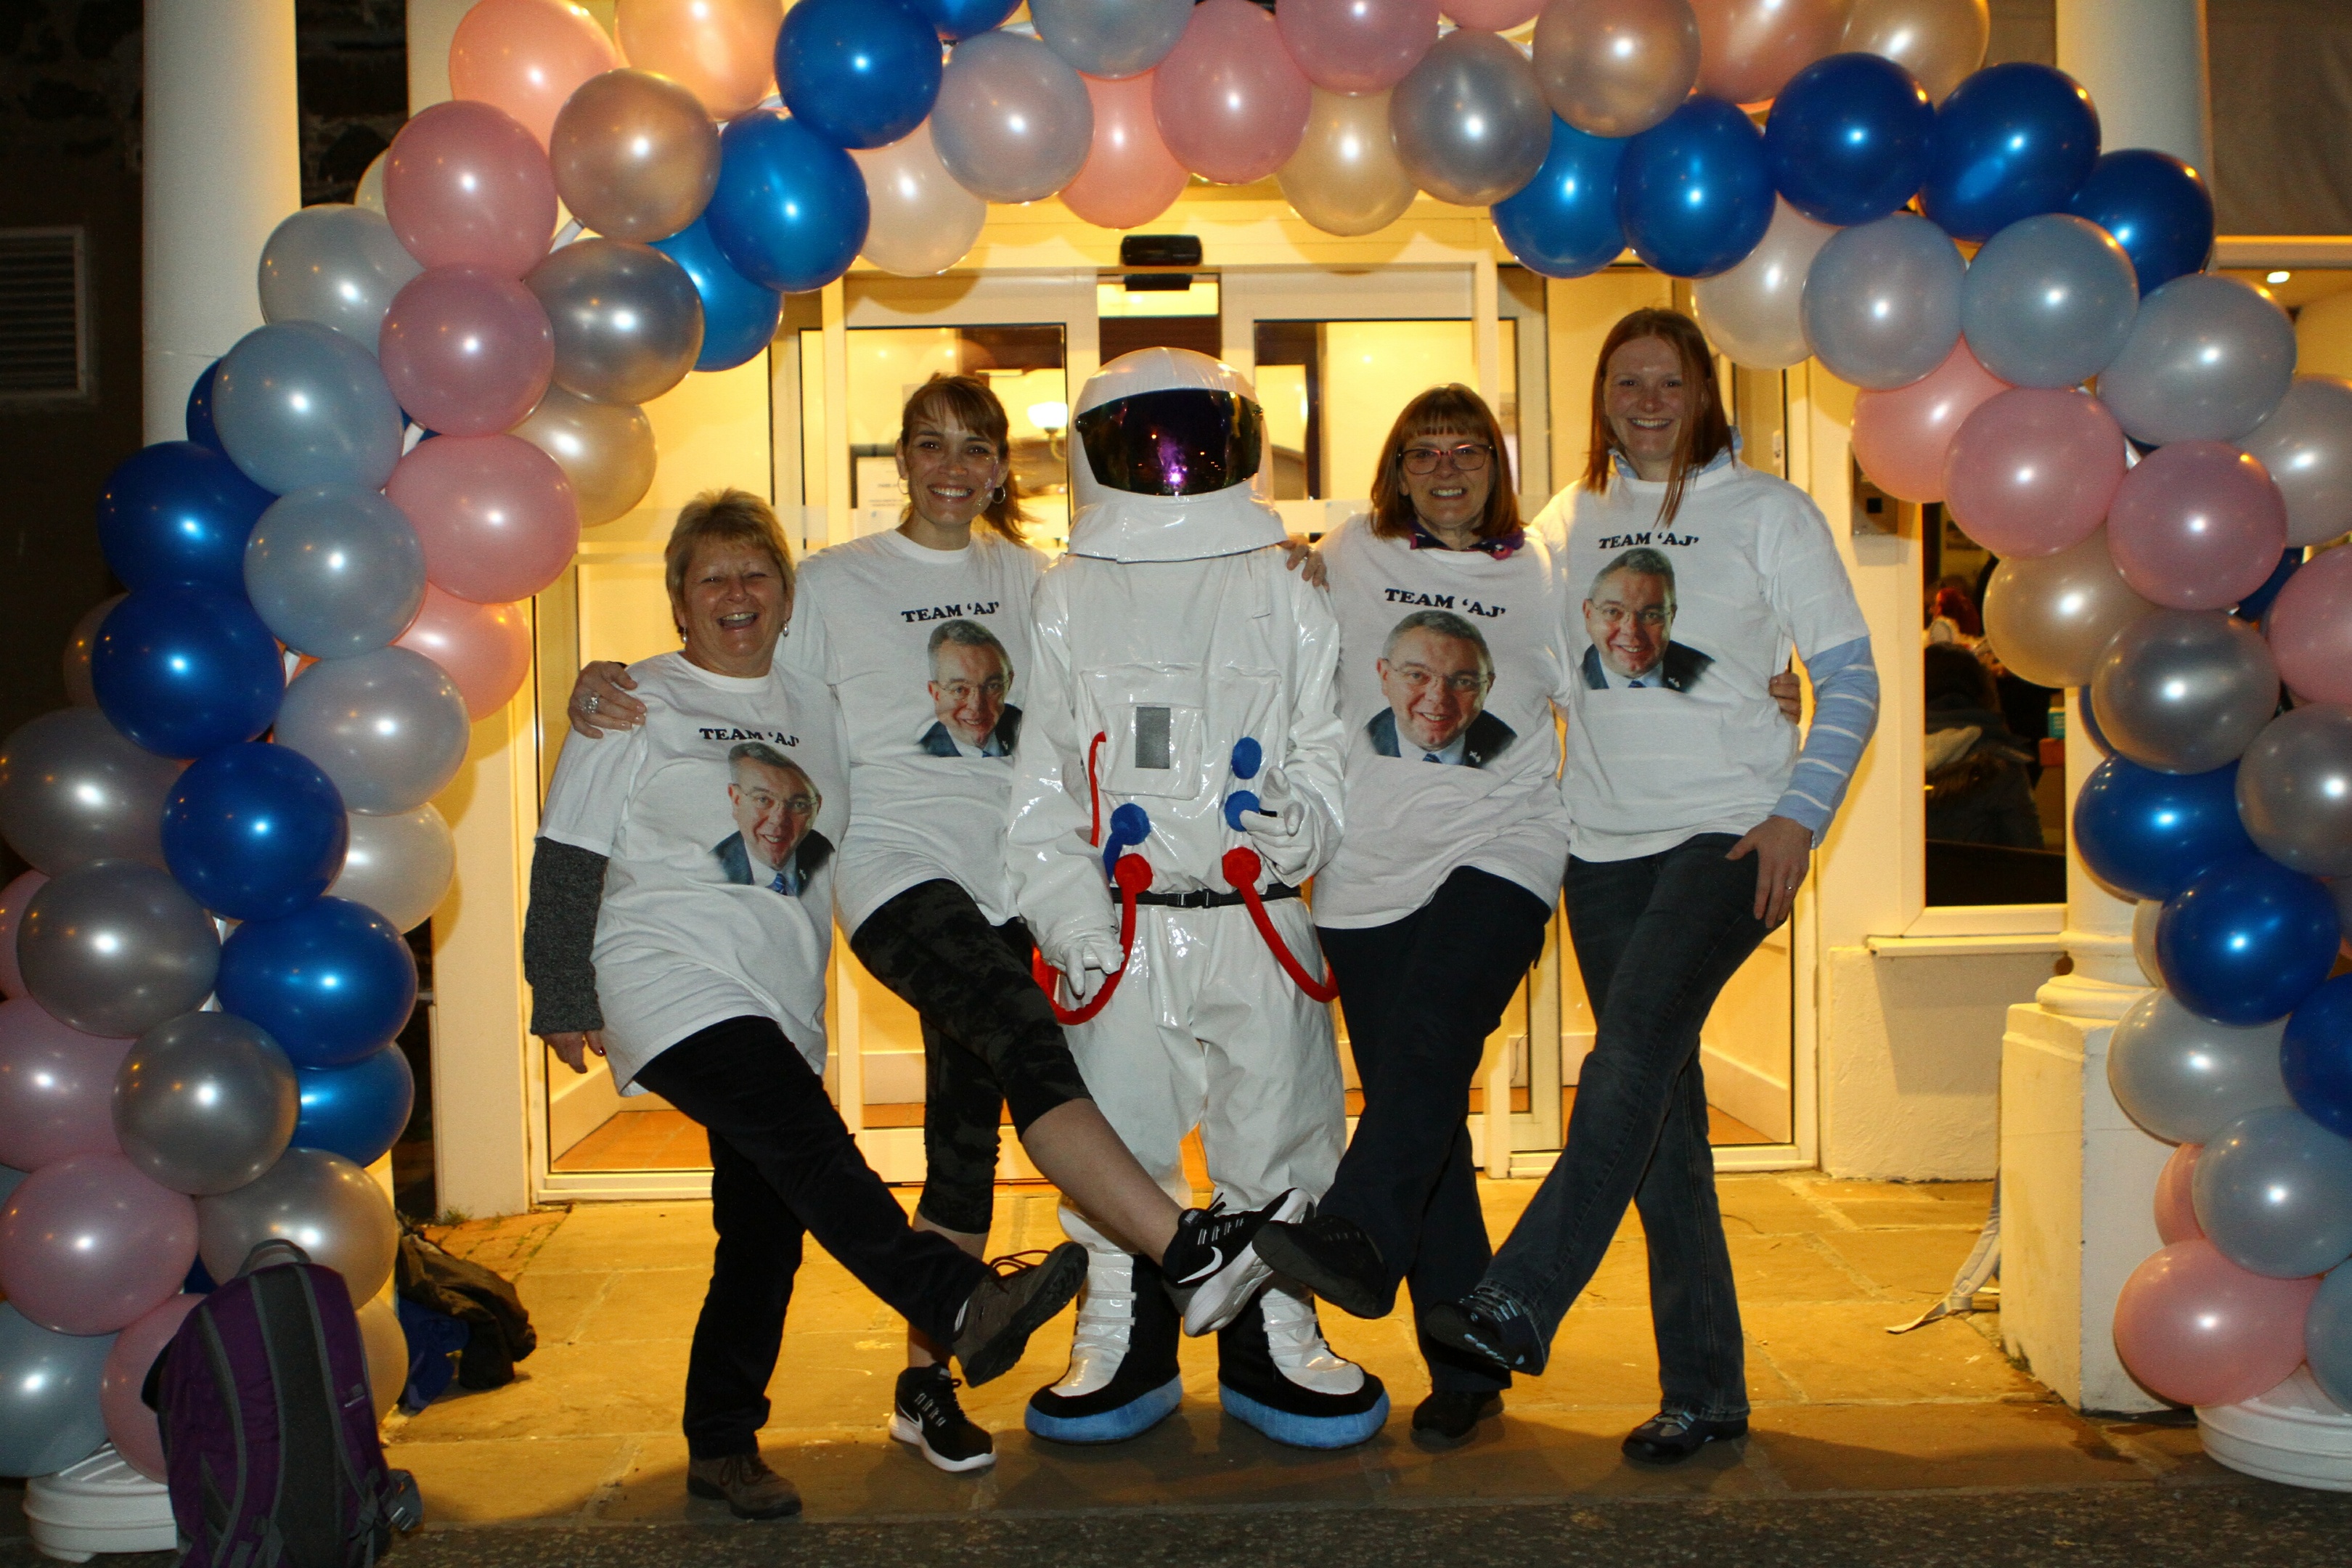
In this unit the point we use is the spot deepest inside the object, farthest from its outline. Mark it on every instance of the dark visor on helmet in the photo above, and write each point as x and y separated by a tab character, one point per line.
1185	441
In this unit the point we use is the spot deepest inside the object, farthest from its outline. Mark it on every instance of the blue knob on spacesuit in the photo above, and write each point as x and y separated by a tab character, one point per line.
1129	825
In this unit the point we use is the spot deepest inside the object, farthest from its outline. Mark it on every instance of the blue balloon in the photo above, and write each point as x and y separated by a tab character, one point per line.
2256	604
861	73
1563	222
2246	941
956	19
255	831
182	668
1694	192
200	410
329	983
2014	140
2148	833
739	316
178	511
2327	1335
790	212
2317	1057
1848	139
358	1110
2090	728
2157	207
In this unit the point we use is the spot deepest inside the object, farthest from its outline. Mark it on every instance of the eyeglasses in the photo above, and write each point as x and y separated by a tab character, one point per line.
1468	457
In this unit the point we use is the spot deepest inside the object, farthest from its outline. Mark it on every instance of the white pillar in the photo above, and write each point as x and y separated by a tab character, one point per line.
221	166
2145	64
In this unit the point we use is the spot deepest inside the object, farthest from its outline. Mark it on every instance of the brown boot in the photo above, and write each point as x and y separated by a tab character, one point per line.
744	1482
1021	1292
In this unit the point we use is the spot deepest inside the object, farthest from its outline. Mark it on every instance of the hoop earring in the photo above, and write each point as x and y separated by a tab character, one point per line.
996	498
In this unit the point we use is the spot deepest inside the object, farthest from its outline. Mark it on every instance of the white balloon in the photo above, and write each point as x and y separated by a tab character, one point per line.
923	221
1755	312
400	864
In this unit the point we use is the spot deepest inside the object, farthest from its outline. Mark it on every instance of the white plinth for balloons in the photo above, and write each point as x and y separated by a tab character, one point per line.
98	1505
2294	1434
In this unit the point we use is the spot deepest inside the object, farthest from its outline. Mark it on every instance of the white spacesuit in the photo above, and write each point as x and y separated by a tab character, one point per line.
1181	712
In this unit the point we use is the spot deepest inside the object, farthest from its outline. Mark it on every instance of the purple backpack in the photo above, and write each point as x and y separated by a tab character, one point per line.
270	1431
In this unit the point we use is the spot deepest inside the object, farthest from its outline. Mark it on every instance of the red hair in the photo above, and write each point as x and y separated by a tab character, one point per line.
1706	431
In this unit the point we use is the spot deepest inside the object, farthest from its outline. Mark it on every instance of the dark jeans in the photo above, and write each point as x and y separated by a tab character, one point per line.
782	1164
1421	995
1657	937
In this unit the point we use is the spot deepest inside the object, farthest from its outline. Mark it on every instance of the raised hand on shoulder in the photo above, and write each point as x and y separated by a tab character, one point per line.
600	700
1298	554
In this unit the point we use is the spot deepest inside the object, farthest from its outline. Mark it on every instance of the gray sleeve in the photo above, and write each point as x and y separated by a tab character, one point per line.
559	938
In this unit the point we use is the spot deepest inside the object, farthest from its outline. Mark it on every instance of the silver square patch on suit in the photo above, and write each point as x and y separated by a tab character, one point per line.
1151	738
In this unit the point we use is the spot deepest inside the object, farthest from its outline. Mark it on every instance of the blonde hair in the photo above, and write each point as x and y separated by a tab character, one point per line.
724	517
966	400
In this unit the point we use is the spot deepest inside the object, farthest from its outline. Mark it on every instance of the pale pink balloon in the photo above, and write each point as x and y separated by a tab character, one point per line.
1493	16
12	899
466	185
1900	436
494	513
1229	102
722	51
57	1087
2175	1215
2031	472
467	352
1130	177
2310	629
1361	45
89	1245
2197	525
527	56
1750	48
2198	1329
130	1426
486	648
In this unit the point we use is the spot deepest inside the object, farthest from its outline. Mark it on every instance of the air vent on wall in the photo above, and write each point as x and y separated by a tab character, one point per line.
44	323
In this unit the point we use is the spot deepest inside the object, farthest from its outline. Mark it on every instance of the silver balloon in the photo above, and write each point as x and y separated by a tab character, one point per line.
78	690
388	727
321	1203
2182	1078
2273	1193
2208	359
2294	790
115	948
399	865
605	450
2049	302
1470	121
298	404
1755	312
628	323
1013	122
205	1103
2049	618
336	265
1619	67
74	790
334	571
2327	1337
2145	915
922	221
2307	444
2184	691
1882	304
1111	38
1346	177
48	1396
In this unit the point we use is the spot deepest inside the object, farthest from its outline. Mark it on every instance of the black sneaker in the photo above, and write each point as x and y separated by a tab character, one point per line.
1212	1258
926	1415
1123	1379
1672	1435
1449	1415
1275	1373
1490	1325
1020	1294
1333	1257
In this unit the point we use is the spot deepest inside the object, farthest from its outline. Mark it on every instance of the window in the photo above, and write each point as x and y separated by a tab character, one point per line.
44	317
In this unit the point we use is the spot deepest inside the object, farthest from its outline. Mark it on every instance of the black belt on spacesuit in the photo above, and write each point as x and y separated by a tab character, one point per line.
1210	899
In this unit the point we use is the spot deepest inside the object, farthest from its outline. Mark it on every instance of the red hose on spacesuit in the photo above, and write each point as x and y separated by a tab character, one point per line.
1133	876
1241	866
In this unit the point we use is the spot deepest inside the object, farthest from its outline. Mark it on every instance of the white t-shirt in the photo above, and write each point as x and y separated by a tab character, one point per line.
1443	772
1674	632
925	649
719	881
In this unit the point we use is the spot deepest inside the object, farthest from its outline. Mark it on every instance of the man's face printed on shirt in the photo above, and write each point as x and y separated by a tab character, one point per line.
1435	685
1631	618
970	683
774	808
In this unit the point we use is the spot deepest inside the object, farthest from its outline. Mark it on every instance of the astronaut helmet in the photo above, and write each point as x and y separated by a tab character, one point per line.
1168	459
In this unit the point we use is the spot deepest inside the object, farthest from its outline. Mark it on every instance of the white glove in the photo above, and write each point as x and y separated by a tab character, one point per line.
1277	828
1086	961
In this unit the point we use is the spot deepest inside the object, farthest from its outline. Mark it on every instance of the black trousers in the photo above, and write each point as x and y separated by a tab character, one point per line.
1421	995
784	1166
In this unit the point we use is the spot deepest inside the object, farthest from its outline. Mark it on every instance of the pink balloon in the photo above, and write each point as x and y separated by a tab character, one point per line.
57	1087
2176	1216
494	513
2198	1329
466	185
1750	48
89	1245
2031	472
467	352
527	56
1130	177
2310	628
486	648
12	899
1231	103
130	1424
1493	16
1362	45
1900	436
2197	525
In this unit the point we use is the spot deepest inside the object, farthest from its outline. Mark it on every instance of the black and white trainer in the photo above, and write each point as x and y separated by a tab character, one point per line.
926	1416
1123	1379
1212	1265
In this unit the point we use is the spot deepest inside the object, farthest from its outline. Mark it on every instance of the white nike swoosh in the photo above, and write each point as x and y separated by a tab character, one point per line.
1216	1261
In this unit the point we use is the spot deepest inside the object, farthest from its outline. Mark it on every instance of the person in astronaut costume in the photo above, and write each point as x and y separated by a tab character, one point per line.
1182	710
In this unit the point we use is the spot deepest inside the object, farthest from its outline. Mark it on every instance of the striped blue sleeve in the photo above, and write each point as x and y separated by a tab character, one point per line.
1845	711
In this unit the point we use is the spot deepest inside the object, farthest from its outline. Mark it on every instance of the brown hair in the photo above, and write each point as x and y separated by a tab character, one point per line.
1449	410
1706	430
966	400
724	517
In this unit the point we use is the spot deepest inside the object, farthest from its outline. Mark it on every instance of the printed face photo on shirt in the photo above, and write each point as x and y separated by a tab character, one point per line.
1630	616
774	805
971	680
1436	673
